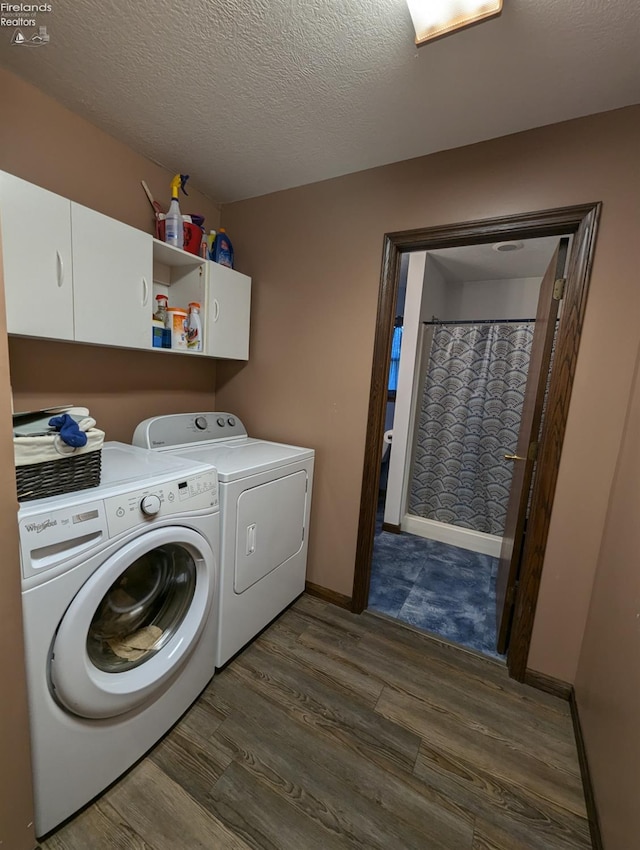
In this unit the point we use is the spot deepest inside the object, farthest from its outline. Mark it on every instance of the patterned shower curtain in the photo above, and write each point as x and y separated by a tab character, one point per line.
469	419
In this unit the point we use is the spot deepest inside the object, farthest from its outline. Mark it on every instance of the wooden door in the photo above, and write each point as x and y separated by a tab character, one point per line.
525	456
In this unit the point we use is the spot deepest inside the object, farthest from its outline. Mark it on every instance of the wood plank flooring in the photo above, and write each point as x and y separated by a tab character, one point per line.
338	731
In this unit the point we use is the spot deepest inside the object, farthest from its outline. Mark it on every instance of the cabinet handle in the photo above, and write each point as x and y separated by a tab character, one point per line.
145	292
216	310
59	269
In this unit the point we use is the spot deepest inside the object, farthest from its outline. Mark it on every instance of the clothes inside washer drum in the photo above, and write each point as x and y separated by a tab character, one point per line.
134	646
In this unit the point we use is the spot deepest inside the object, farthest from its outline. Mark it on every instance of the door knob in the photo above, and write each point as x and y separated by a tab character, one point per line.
514	457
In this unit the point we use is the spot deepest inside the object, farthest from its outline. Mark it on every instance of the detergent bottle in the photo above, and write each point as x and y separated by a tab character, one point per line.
194	327
223	249
174	225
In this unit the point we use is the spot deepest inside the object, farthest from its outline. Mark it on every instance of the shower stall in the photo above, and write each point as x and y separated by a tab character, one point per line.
462	375
468	410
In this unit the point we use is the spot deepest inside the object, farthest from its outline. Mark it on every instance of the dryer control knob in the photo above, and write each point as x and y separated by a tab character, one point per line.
201	423
150	505
220	421
231	421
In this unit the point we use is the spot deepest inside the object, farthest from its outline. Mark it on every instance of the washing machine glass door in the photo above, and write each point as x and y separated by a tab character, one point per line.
142	609
133	623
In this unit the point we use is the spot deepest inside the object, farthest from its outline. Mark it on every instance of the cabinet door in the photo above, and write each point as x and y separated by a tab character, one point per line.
112	279
228	310
36	249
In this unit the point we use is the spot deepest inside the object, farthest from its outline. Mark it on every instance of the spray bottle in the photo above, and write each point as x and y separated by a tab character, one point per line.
174	227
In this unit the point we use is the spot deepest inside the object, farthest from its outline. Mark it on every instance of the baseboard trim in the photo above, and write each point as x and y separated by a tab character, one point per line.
392	527
548	684
328	595
589	796
558	688
454	535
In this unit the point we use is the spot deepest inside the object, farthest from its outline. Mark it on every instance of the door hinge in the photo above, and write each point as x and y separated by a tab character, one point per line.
511	593
532	454
558	288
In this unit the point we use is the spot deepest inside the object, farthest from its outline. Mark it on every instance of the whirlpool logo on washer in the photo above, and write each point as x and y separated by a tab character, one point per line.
41	526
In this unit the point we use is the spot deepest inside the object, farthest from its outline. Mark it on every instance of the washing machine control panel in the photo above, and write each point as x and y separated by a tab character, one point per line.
52	538
161	501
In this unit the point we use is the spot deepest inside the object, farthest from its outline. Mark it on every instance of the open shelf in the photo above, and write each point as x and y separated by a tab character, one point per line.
170	256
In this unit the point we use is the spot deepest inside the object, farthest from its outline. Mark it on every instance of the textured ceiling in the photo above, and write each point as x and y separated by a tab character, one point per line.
252	96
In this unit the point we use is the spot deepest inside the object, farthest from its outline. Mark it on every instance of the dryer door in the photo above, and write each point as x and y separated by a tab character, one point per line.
134	623
269	527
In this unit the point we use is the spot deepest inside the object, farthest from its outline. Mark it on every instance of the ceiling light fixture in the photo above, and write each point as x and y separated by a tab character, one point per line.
506	247
435	18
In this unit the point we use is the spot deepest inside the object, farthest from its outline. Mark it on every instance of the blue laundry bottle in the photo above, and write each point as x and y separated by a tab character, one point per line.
223	249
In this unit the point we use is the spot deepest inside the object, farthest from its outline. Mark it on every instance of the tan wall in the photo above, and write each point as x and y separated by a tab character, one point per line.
314	254
608	683
16	806
120	387
46	144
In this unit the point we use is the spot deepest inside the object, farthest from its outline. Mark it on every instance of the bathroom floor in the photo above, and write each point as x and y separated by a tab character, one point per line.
442	589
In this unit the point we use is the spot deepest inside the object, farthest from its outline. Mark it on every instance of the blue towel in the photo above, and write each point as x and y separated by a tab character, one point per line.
70	433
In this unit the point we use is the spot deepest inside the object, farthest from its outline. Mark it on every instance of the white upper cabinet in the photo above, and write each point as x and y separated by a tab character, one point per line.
36	249
71	273
113	280
227	312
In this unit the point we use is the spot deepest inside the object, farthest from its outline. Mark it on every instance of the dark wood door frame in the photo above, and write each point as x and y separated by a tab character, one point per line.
583	222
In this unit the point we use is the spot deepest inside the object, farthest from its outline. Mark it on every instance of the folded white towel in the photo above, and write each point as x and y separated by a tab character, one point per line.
28	450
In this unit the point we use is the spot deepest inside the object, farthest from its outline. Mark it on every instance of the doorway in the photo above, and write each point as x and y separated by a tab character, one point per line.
456	391
580	221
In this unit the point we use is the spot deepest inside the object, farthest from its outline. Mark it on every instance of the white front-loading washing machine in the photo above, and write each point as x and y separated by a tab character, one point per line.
119	592
265	503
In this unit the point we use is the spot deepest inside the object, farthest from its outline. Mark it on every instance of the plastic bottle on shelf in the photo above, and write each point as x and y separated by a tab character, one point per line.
211	245
194	327
174	223
162	337
162	302
177	323
223	249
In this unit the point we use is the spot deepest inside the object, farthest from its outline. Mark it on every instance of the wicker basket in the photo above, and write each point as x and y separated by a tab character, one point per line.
76	472
46	466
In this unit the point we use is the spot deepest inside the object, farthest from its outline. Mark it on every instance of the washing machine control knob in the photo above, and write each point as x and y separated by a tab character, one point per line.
220	421
231	421
150	505
201	423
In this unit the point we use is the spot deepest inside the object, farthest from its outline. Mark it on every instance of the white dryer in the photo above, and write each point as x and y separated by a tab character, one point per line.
119	591
265	502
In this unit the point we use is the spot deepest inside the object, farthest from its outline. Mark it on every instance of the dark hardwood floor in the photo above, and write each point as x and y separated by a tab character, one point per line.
340	731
